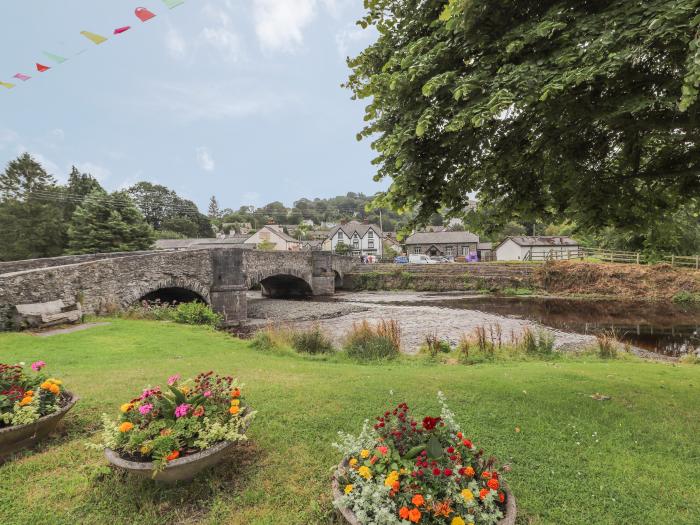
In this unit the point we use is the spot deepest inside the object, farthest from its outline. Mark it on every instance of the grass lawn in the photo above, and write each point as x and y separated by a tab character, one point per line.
630	460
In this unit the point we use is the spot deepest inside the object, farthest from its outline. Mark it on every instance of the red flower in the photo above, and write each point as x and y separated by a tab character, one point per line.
173	455
467	443
436	471
493	484
403	513
447	472
501	497
450	450
429	423
486	474
483	493
459	435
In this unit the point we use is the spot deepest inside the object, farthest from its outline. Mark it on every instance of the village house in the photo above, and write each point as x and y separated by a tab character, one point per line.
536	248
444	243
362	239
273	233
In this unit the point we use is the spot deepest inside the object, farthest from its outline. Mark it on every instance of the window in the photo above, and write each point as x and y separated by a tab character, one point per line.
465	250
370	234
416	250
448	250
370	244
340	236
356	243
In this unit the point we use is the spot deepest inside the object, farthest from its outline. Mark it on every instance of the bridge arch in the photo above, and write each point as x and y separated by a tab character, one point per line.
170	289
287	282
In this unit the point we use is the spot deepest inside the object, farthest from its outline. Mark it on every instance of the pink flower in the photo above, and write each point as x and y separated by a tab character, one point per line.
145	409
173	379
149	392
207	393
383	450
38	365
182	410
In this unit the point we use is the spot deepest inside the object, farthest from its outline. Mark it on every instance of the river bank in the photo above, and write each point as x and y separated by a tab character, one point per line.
574	323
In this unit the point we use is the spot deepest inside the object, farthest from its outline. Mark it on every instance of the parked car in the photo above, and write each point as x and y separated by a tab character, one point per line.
439	259
400	259
420	259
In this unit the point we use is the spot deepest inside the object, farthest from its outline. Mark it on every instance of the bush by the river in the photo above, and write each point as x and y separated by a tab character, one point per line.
367	342
185	313
312	341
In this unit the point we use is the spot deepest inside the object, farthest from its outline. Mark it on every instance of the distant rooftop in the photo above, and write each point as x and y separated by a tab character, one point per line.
543	241
442	237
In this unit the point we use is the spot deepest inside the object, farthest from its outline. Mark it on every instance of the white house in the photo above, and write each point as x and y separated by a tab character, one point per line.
362	239
274	234
536	248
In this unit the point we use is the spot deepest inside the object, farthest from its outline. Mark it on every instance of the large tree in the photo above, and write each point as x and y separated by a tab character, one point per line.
582	110
31	212
108	223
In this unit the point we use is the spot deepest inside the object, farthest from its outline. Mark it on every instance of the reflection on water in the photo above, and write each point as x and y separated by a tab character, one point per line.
663	328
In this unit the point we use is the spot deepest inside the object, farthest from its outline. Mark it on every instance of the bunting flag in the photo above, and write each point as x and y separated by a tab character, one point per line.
55	58
143	14
173	3
120	30
7	85
97	39
41	68
22	77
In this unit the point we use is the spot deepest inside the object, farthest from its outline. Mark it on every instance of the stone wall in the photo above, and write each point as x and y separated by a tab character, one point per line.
105	284
48	262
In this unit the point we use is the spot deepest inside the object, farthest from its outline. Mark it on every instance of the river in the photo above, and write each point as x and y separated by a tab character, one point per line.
661	328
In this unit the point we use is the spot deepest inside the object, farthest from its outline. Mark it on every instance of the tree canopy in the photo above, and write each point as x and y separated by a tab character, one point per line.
579	110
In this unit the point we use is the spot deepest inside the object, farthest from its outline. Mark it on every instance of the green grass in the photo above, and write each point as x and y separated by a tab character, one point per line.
632	459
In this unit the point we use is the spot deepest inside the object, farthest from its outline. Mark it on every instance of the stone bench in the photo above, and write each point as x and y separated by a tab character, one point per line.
39	315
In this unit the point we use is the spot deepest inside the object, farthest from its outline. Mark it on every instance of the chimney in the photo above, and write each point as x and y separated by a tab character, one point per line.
366	221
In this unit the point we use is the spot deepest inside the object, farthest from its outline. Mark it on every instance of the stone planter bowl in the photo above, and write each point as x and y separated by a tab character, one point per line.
348	516
181	469
15	438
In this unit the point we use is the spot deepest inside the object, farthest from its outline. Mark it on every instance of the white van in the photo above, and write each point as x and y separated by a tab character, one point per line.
419	258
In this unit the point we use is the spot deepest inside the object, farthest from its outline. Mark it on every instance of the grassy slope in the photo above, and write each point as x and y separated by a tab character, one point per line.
575	460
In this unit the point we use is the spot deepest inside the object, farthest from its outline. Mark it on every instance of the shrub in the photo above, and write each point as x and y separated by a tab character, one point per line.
434	346
685	297
312	341
607	346
539	344
690	359
270	338
367	342
195	313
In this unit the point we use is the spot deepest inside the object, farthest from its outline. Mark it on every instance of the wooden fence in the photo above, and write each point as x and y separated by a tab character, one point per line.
613	256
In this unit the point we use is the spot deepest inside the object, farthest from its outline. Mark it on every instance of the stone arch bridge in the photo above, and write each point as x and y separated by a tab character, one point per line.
220	277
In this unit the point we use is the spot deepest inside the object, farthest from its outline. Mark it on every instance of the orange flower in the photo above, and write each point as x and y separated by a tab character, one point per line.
126	426
418	500
234	410
236	393
493	484
483	493
26	400
486	474
469	472
396	486
414	515
55	390
403	513
173	455
442	508
29	393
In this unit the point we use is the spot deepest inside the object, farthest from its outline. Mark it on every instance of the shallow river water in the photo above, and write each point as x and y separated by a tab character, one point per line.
664	329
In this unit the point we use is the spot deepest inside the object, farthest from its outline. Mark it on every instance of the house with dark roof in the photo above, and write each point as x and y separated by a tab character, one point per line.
445	243
361	238
523	248
273	233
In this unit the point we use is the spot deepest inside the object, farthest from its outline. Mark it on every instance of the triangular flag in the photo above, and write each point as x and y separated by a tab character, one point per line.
7	85
41	68
22	77
56	58
120	30
143	14
92	36
173	3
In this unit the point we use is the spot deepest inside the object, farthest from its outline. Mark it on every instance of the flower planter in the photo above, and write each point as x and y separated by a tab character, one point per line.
15	438
348	516
181	469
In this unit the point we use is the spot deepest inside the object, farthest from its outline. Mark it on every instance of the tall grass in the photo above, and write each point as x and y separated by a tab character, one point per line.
311	341
606	346
369	342
537	344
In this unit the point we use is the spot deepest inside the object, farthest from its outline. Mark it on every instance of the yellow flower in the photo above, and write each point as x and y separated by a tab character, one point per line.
458	521
126	426
403	471
467	495
365	472
26	400
235	402
185	390
392	478
352	462
145	450
233	410
364	454
55	381
126	407
348	489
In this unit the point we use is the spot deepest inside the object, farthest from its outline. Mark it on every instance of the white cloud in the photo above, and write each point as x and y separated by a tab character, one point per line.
196	100
99	172
220	34
204	158
175	43
279	24
348	39
58	134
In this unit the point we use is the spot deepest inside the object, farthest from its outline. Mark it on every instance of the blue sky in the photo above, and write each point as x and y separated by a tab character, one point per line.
234	98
